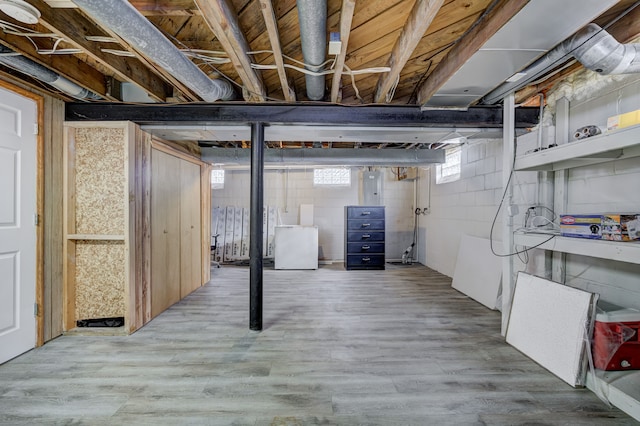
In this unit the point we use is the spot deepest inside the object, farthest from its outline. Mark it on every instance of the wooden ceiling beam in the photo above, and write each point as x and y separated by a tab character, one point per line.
223	21
274	37
67	66
421	17
165	7
74	27
346	18
469	44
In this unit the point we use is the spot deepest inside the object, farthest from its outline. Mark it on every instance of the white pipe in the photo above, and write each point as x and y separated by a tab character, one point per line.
125	20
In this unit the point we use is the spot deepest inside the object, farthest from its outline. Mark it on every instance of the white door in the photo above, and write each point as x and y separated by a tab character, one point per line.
17	227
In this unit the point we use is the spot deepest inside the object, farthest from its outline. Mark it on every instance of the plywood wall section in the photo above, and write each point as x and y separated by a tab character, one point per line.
165	231
190	224
100	181
100	290
52	221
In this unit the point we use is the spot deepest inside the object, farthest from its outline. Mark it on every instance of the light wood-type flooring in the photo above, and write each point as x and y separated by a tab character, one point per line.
394	347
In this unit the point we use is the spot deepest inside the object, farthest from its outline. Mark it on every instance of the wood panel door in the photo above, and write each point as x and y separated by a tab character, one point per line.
18	146
165	231
190	243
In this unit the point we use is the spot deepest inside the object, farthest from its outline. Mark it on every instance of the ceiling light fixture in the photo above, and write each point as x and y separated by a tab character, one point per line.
20	11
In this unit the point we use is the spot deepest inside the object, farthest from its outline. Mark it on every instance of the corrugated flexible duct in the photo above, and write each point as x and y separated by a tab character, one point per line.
312	15
592	46
26	66
125	20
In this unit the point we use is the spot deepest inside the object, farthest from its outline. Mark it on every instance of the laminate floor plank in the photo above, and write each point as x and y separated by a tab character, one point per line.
392	347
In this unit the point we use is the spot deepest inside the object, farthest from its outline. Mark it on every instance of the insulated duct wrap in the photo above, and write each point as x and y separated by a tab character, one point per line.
26	66
125	20
592	46
312	15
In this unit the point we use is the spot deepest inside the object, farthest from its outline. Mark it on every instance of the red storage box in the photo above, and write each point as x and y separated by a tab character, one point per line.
616	343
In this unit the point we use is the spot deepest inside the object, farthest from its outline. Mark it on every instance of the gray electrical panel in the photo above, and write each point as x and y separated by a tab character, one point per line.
372	189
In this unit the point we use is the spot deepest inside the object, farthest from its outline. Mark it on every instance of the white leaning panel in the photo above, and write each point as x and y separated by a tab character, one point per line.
550	322
478	271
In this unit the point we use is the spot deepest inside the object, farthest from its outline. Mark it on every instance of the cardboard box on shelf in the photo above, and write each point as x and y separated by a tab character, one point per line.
581	226
621	121
621	226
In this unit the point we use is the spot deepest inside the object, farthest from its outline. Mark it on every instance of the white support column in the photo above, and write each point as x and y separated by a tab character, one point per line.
560	186
508	152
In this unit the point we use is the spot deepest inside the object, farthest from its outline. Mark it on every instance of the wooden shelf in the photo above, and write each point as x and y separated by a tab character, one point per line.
620	251
89	237
623	143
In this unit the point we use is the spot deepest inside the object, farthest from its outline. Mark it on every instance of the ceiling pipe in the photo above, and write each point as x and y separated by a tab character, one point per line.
592	46
33	69
328	157
312	15
125	20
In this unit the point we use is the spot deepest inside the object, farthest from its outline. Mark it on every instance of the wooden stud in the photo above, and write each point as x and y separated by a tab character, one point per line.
68	214
346	18
223	21
502	12
274	37
422	14
205	217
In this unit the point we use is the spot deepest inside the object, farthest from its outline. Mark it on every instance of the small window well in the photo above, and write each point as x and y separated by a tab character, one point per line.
450	170
217	179
332	177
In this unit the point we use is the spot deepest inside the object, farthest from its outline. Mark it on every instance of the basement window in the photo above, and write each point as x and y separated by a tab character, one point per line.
332	177
449	171
217	179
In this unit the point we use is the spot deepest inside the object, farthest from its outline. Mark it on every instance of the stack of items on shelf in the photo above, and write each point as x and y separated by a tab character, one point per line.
607	226
231	224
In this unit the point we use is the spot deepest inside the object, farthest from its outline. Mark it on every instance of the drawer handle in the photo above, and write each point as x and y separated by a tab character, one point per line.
366	213
365	225
366	259
366	235
365	247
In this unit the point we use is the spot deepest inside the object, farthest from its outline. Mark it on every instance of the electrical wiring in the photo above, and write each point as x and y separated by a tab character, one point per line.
495	218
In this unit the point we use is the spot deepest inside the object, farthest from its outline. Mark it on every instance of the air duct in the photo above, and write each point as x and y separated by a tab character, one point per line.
592	46
26	66
329	157
125	20
312	15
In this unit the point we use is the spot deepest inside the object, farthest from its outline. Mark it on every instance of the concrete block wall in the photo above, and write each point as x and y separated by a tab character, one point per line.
467	206
287	189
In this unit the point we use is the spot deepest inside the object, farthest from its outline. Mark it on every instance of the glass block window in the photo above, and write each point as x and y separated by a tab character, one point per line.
332	177
217	179
450	170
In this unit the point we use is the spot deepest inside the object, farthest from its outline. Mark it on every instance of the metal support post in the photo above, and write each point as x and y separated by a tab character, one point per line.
255	241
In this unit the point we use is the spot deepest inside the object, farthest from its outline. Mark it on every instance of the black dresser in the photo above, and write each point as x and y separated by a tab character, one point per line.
364	237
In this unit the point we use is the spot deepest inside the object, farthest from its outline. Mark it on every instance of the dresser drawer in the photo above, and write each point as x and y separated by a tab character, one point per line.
365	213
365	260
353	248
353	224
356	236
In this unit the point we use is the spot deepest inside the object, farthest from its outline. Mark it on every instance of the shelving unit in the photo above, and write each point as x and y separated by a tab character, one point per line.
612	250
623	143
621	388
